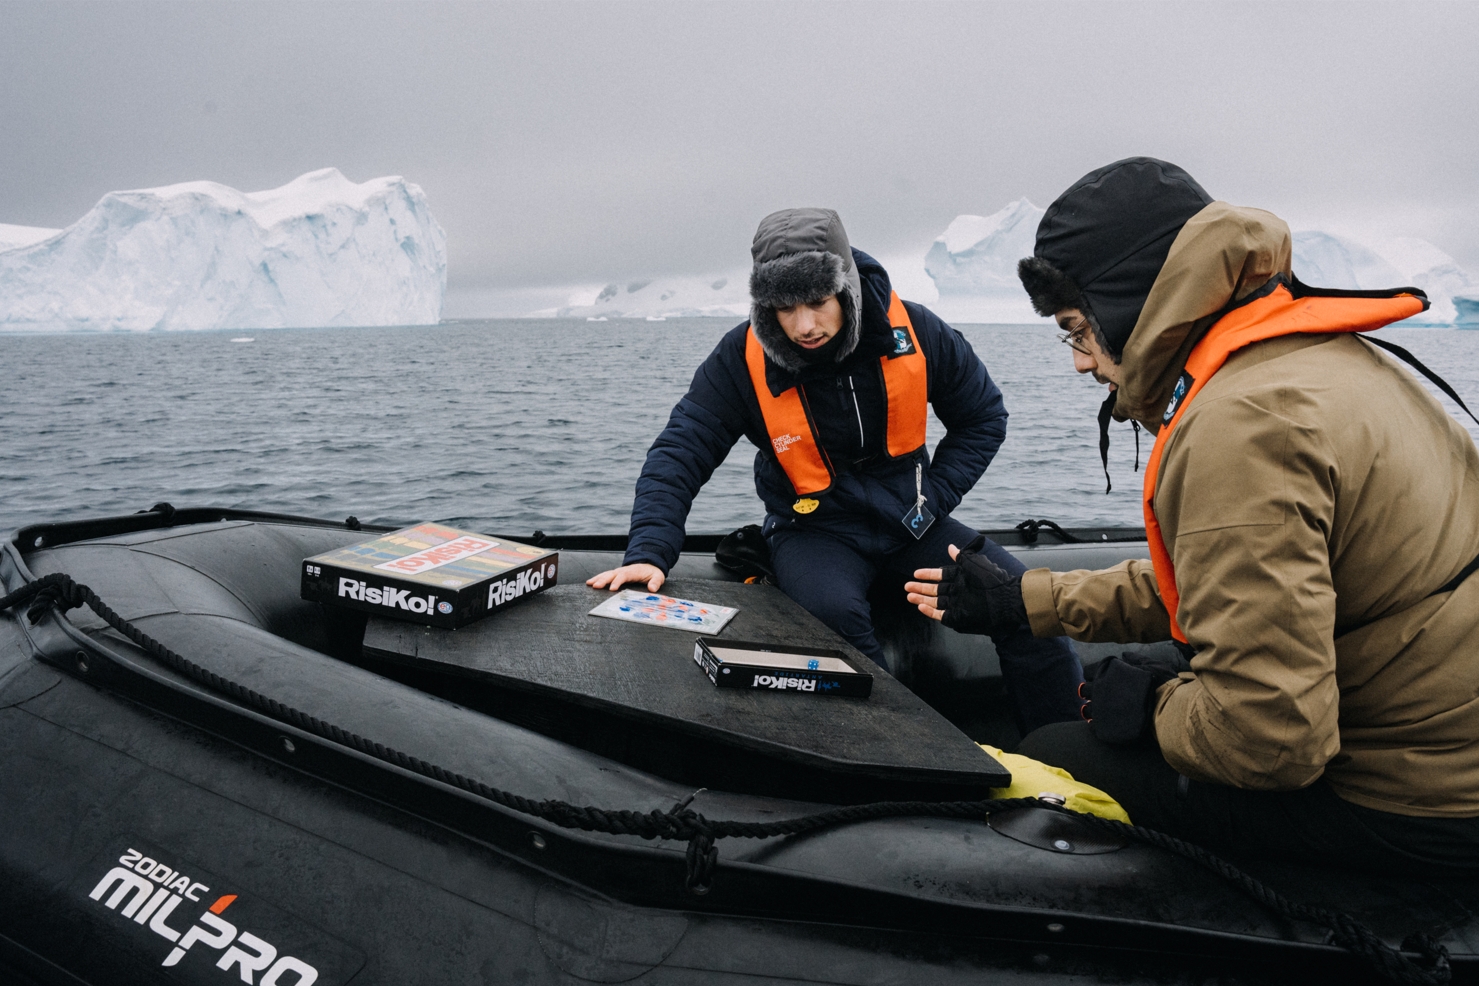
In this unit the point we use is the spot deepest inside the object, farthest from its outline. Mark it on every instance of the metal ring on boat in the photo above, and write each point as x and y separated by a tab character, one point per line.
1054	831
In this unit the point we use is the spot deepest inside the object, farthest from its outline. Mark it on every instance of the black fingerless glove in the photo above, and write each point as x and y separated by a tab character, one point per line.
1121	694
978	596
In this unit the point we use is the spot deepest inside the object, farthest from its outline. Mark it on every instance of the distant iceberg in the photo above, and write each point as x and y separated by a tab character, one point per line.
974	265
1467	306
1329	261
319	251
655	299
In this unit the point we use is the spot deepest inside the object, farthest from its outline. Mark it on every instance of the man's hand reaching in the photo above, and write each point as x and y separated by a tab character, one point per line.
972	596
618	577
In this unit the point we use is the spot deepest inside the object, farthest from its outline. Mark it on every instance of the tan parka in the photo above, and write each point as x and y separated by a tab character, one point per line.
1312	498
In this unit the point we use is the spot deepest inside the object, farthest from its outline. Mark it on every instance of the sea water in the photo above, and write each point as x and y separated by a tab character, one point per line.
503	426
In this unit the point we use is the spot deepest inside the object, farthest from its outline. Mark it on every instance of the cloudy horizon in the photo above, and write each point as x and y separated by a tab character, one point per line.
585	143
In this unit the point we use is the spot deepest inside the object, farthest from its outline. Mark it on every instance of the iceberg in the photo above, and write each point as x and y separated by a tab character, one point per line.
1466	311
1425	266
319	251
653	299
1329	261
19	236
974	265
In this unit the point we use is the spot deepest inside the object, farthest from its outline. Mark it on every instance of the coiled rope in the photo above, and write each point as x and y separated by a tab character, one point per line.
682	823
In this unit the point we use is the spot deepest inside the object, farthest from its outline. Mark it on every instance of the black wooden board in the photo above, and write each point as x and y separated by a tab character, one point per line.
634	693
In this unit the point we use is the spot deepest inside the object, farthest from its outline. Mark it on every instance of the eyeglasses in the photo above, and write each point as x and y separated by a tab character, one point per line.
1074	338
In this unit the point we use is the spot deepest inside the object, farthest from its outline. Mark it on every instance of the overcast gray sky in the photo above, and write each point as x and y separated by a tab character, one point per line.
579	142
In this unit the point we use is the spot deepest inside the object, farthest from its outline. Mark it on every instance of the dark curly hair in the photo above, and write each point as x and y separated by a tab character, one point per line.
1051	291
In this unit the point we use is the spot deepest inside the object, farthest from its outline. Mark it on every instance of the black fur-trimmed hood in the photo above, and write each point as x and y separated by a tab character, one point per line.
802	255
1050	289
1105	240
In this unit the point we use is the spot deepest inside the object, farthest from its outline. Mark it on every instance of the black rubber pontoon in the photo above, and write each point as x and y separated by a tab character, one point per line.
357	865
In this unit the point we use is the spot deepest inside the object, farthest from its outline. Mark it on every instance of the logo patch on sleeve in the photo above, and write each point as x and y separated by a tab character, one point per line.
1178	394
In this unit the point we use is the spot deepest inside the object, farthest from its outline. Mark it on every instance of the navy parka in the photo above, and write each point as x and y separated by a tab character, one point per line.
871	493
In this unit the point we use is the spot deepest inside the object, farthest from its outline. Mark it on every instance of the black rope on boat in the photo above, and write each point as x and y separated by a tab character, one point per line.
682	823
1345	930
1031	528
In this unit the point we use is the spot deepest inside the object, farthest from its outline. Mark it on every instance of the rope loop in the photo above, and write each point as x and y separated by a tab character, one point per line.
1435	960
702	858
1030	529
682	824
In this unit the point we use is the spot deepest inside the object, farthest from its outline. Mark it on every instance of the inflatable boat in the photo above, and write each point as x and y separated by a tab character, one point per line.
206	779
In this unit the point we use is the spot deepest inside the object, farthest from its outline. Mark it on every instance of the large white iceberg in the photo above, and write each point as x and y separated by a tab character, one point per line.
321	250
974	265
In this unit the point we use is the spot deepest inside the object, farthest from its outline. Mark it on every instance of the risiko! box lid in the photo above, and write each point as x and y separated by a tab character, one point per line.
430	574
433	555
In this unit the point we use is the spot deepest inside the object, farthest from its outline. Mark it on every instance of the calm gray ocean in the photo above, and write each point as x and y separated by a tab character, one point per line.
504	426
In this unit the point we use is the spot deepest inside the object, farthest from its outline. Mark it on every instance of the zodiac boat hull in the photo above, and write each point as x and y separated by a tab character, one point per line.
135	800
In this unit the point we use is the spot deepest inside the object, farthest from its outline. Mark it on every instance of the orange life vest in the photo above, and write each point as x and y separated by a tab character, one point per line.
1278	312
793	434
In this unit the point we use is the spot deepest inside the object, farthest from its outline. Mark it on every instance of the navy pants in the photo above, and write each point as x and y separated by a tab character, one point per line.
830	578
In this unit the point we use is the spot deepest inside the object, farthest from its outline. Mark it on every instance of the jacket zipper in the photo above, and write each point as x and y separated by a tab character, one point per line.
856	410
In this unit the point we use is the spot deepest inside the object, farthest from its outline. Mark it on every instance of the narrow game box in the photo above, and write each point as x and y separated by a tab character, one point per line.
779	667
430	574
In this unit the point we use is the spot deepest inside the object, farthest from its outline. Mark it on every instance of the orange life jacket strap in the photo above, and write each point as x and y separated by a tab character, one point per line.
790	430
1278	313
906	385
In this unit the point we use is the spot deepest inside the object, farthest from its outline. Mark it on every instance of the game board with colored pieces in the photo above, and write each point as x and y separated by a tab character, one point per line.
665	611
432	554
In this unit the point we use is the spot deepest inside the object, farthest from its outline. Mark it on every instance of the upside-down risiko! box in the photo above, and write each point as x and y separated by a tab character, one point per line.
779	667
430	574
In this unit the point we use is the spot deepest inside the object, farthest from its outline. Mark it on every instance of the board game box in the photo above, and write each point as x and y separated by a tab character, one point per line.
430	574
780	668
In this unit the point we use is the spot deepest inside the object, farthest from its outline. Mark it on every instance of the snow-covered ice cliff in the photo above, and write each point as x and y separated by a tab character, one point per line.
320	250
974	265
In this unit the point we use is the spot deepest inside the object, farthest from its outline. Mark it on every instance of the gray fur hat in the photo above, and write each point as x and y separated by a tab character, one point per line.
802	255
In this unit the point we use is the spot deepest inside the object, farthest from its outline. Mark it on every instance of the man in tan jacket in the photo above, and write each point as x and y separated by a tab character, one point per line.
1313	516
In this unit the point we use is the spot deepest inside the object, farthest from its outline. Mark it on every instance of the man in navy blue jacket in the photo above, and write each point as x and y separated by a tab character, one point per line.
829	379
